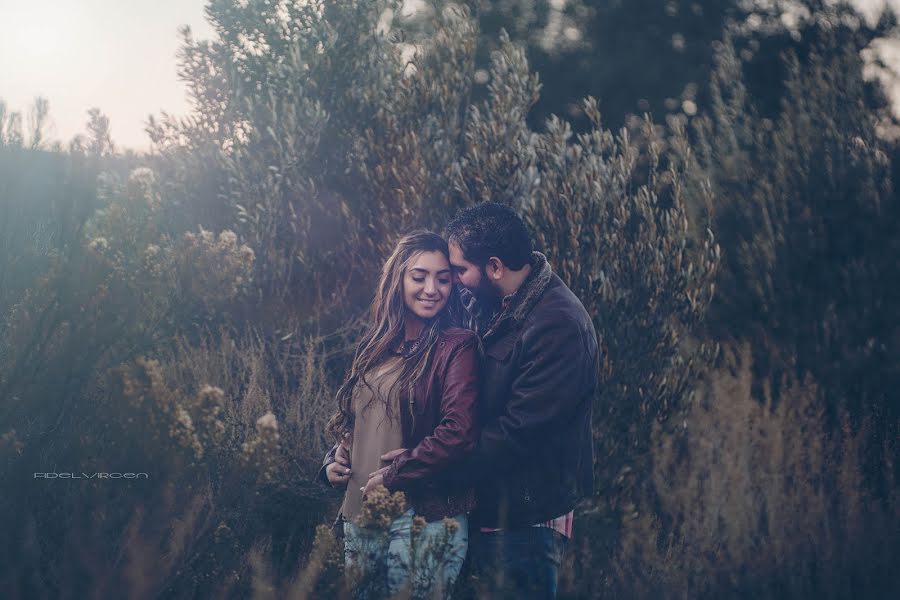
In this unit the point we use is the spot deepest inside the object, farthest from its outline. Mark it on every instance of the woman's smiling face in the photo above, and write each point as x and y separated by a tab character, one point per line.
427	284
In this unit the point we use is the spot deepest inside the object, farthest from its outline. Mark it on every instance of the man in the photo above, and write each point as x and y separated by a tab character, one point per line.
539	378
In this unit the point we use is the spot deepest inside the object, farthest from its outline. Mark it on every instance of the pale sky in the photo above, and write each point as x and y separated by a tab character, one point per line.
118	55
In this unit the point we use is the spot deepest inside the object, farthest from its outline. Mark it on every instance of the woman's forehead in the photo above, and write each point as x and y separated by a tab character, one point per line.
429	262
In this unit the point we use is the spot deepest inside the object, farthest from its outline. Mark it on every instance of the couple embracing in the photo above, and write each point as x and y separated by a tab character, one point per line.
470	392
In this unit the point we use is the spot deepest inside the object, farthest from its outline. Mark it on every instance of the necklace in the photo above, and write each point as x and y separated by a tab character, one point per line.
408	347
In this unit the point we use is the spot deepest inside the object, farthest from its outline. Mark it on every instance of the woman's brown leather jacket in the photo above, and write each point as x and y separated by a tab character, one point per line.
439	429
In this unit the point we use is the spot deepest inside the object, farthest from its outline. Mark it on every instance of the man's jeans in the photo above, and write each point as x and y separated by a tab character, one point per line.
434	566
520	562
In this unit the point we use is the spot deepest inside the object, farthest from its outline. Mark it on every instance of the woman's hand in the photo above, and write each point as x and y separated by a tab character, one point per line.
339	472
338	475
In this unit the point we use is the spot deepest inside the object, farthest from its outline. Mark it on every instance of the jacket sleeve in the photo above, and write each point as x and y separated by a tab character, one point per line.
455	435
555	367
329	458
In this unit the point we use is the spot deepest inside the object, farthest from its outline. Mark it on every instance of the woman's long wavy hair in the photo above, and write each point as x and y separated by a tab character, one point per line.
387	331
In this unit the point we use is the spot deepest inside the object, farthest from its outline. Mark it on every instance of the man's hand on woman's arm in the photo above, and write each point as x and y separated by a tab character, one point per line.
376	478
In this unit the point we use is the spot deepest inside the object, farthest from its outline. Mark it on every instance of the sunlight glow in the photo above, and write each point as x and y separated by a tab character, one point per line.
37	41
117	56
35	44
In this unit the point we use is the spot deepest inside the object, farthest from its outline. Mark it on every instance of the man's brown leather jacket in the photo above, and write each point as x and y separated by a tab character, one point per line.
539	377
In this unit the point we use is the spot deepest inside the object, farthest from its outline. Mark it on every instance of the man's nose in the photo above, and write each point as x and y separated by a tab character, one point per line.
456	279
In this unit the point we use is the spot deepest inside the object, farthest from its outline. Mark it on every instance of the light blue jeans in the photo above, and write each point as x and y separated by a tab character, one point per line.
433	567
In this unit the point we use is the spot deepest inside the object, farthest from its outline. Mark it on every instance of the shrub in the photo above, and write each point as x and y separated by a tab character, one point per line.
762	497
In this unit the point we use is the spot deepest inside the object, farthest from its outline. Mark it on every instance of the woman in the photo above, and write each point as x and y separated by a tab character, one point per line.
412	385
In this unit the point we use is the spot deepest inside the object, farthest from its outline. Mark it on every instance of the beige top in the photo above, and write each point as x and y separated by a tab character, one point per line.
374	433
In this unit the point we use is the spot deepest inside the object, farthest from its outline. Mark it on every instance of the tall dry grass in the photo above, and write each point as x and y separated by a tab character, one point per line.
288	378
760	497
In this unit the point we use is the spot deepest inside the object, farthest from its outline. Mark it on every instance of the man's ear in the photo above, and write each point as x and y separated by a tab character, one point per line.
494	268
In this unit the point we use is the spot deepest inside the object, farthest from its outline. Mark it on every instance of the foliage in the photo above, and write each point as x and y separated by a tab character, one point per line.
760	497
810	215
657	56
189	312
637	57
626	249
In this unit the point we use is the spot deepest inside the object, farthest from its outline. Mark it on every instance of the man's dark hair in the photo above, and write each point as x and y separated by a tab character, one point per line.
491	229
